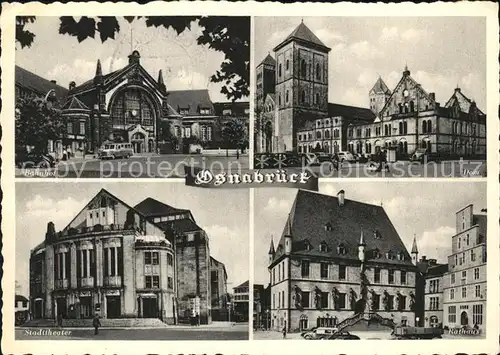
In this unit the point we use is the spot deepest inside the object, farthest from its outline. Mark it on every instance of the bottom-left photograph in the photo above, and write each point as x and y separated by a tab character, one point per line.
129	260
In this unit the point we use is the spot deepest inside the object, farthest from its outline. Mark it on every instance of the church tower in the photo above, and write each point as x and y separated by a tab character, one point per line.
414	251
379	94
301	83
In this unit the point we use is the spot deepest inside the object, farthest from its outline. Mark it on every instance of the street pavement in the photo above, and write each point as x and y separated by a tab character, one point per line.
227	332
152	166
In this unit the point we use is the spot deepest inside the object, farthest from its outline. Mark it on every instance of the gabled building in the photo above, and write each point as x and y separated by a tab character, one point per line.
119	261
329	269
403	119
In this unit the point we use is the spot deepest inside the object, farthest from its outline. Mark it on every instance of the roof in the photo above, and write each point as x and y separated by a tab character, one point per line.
437	270
244	284
184	225
237	108
75	104
36	83
380	87
269	60
317	218
21	298
151	208
190	100
302	33
463	101
351	112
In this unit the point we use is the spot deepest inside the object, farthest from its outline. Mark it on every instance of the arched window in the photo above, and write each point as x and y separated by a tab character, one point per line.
303	68
429	126
317	98
287	64
318	135
303	96
400	108
406	107
286	96
279	70
424	127
412	106
318	72
131	107
405	127
327	134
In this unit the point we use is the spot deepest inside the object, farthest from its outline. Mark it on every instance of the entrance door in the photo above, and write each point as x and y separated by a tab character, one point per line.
150	308
434	322
61	307
464	319
38	311
113	306
85	307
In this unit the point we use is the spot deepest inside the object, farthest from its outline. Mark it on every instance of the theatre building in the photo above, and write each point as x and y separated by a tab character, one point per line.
122	262
340	262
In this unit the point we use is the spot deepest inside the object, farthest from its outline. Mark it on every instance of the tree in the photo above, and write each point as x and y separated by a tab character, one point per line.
37	122
234	134
227	34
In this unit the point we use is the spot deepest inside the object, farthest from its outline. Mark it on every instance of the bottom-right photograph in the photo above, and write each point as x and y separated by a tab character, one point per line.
371	260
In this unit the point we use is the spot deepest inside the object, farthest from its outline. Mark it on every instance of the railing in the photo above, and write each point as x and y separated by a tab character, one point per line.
98	228
366	316
113	281
349	321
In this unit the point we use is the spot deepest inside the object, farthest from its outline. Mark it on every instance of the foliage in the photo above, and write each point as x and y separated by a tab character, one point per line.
227	34
37	122
166	134
234	133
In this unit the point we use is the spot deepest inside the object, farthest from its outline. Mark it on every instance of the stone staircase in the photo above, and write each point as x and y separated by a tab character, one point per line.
111	323
367	317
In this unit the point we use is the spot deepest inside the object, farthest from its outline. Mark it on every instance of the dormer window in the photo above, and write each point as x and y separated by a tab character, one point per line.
328	227
341	249
323	247
204	111
401	256
307	245
376	253
377	235
389	255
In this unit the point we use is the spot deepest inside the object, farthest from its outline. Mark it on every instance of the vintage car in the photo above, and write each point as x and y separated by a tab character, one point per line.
405	332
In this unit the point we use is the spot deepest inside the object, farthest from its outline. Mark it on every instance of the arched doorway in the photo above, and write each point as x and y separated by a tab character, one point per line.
464	318
138	142
335	147
434	321
303	322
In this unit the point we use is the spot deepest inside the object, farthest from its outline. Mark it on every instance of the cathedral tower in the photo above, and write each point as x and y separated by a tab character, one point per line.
379	94
301	83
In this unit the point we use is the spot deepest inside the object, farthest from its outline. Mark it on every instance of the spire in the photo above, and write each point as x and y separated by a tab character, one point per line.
289	225
271	247
98	70
362	239
414	249
406	71
160	78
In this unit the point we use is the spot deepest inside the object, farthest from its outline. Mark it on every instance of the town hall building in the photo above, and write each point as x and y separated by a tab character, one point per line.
295	115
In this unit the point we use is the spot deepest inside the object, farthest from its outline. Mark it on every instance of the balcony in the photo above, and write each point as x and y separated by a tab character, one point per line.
86	282
61	284
96	229
112	281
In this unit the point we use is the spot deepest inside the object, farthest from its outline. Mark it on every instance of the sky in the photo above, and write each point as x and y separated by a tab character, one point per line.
223	214
185	64
440	52
424	209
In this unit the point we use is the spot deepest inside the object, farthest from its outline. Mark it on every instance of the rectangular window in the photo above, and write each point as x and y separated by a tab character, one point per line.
305	299
376	302
377	275
113	260
477	314
464	274
170	259
476	273
70	127
464	292
342	272
82	128
452	314
170	282
147	258
149	281
452	294
390	302
342	300
324	270
304	268
478	290
391	277
472	255
403	277
324	299
452	278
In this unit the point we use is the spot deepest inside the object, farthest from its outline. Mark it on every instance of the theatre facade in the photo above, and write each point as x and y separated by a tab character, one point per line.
120	261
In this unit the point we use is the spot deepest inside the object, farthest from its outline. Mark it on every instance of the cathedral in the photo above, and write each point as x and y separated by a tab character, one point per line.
293	112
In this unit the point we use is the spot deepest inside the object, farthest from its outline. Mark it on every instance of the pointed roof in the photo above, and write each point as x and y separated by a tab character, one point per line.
312	210
362	239
414	248
160	78
98	69
271	247
75	104
380	87
33	82
463	101
303	34
152	208
268	60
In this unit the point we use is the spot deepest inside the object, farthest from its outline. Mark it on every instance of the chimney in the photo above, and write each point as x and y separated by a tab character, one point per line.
51	232
340	197
53	81
134	57
432	262
72	85
424	258
432	95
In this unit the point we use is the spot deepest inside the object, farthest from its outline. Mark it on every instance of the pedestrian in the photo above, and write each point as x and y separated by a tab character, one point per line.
59	320
64	154
70	152
96	323
284	332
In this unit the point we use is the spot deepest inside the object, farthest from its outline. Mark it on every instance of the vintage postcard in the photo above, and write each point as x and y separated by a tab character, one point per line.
250	177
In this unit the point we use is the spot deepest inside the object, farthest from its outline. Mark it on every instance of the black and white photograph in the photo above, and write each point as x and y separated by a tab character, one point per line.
377	260
371	96
121	261
131	96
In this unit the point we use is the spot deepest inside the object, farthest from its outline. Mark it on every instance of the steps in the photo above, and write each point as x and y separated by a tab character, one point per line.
367	317
111	323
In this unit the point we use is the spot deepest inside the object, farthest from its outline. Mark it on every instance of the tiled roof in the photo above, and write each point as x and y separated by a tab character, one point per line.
151	208
190	99
380	87
21	298
244	284
463	101
89	84
303	33
36	83
269	60
437	270
180	225
317	218
75	104
237	108
351	112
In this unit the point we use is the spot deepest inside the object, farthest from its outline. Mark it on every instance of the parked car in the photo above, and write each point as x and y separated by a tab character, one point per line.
318	333
115	151
34	160
346	156
195	149
421	155
310	159
324	157
341	336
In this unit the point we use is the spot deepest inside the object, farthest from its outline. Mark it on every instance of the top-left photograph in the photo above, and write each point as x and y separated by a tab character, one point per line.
131	97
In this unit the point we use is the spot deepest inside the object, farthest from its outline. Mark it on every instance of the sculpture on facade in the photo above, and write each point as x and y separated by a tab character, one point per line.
371	299
317	297
297	296
412	301
335	298
385	301
397	301
352	299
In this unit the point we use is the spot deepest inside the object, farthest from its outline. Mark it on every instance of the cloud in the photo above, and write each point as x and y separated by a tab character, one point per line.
436	243
389	34
414	35
46	209
278	206
364	50
187	80
326	35
355	96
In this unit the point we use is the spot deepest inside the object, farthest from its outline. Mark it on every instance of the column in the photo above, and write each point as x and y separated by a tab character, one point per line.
64	265
109	261
81	263
88	261
73	280
116	260
99	263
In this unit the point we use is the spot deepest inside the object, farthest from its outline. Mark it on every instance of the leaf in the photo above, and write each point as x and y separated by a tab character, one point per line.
107	27
81	30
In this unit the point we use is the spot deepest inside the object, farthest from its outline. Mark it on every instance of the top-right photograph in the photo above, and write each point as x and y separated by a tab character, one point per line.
371	96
